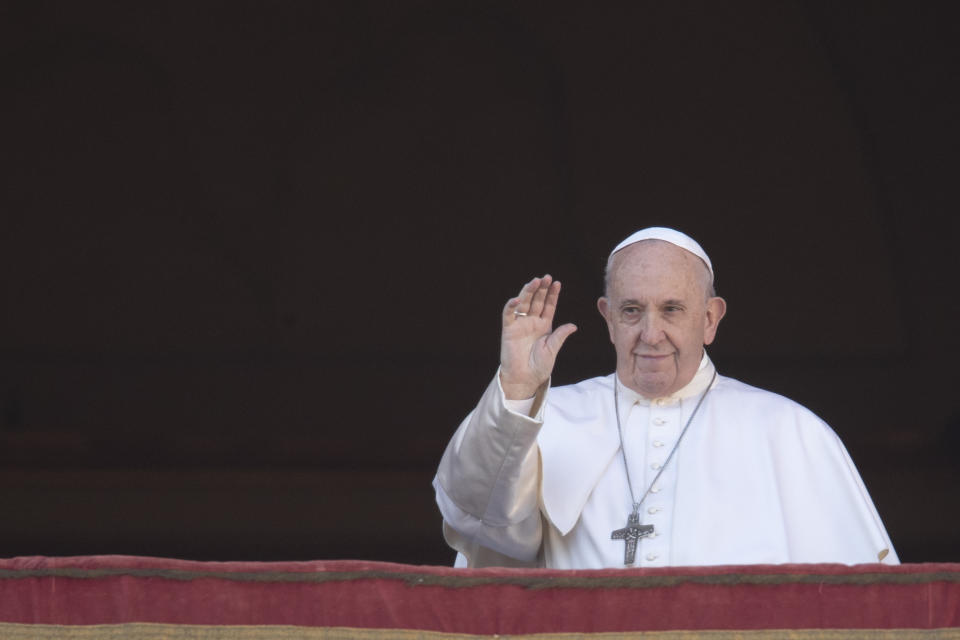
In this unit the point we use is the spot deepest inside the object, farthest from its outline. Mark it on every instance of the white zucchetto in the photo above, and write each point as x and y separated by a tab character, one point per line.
672	236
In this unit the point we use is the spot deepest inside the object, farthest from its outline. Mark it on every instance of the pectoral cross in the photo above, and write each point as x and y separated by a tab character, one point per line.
630	534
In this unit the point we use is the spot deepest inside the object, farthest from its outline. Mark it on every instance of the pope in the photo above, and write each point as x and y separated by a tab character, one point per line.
664	462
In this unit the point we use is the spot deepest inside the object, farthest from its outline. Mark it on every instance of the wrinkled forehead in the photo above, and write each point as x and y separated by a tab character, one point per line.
657	267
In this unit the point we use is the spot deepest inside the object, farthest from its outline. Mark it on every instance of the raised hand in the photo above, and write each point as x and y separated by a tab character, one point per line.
528	343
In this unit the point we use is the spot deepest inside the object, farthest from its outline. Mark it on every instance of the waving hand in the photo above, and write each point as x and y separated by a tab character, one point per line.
529	344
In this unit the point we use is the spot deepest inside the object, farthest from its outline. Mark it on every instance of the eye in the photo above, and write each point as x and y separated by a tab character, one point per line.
630	314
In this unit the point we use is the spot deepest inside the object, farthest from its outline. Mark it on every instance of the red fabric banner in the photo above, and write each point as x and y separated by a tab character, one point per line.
106	590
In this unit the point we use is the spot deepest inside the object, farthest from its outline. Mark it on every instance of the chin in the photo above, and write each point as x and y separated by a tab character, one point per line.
652	388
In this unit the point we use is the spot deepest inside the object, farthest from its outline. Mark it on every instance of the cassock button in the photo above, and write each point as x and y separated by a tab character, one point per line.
653	510
651	557
655	466
657	443
654	489
659	421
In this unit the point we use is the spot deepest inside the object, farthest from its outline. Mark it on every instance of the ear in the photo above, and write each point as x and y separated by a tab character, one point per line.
603	306
716	309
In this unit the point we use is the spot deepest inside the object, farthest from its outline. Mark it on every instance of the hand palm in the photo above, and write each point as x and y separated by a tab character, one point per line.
529	345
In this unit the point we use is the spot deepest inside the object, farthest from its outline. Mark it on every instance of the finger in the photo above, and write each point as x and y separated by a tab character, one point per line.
540	295
527	293
550	303
556	339
509	308
521	303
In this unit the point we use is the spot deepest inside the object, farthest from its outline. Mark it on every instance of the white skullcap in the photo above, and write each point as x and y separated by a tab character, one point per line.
672	236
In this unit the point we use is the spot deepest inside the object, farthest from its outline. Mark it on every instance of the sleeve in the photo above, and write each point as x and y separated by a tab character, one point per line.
488	484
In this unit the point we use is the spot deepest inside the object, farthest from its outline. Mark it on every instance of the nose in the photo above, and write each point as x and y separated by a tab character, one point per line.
651	329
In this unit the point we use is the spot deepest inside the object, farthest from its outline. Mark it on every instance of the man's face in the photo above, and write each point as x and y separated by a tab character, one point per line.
659	316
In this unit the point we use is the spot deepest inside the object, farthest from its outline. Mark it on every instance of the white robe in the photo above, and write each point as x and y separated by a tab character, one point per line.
757	479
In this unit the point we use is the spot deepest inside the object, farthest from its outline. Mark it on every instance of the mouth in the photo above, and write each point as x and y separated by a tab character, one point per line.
653	357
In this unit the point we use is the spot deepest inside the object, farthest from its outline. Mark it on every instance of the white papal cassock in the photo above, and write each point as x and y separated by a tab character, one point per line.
757	479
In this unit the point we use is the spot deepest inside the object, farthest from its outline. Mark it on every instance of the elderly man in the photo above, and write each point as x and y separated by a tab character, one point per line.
662	463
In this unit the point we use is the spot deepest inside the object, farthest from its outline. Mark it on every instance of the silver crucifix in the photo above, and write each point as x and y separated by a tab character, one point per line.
630	534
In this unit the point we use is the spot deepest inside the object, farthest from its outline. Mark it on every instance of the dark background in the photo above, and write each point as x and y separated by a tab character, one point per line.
252	254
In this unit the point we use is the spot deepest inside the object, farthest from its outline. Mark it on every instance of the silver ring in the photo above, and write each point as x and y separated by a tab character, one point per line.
519	313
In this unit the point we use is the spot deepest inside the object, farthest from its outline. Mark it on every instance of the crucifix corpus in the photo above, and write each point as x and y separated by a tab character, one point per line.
630	534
